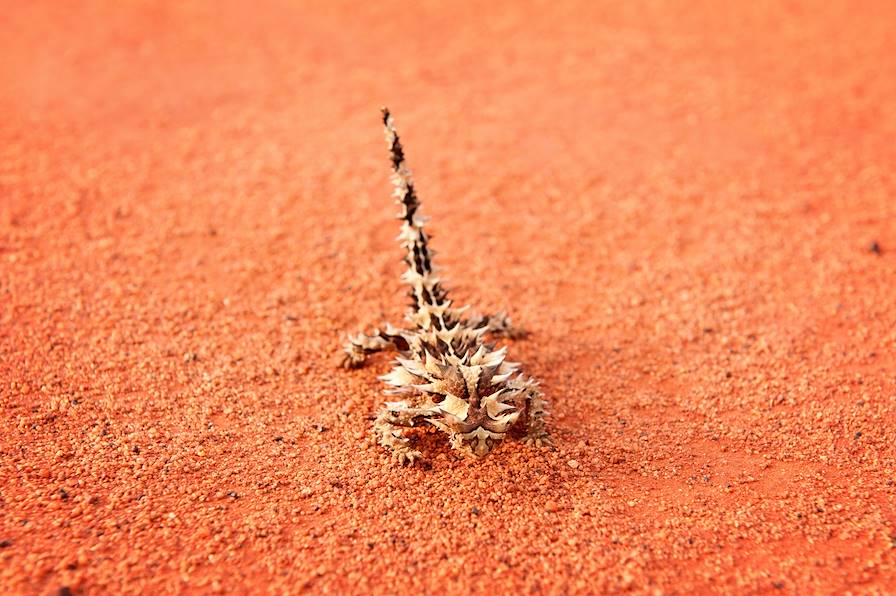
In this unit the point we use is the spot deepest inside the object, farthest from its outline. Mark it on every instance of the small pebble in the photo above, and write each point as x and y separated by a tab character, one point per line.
573	463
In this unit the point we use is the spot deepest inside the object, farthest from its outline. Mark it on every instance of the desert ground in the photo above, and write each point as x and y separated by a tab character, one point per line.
691	207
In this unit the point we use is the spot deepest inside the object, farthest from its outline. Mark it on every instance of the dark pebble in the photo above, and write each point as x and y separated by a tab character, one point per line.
874	247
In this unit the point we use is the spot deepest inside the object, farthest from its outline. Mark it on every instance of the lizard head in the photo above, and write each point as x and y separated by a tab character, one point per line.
469	397
475	432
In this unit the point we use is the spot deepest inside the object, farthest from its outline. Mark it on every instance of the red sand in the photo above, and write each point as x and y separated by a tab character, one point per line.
677	200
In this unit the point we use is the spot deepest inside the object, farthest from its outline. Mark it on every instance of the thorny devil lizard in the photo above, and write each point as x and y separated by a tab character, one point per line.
446	374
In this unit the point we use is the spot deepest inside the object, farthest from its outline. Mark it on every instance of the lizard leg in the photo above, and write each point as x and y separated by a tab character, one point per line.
498	325
358	347
534	404
388	429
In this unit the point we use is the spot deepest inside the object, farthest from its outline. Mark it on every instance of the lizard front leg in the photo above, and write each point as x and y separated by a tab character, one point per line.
358	347
534	405
536	432
388	429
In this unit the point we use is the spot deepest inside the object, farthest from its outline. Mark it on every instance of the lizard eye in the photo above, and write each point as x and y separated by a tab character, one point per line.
438	398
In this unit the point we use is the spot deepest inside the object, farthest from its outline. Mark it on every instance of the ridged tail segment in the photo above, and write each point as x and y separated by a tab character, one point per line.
431	308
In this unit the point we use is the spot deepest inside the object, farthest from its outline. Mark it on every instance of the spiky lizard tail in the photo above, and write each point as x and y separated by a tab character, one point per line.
430	303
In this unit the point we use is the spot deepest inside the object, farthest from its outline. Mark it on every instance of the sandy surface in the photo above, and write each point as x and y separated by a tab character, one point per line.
678	201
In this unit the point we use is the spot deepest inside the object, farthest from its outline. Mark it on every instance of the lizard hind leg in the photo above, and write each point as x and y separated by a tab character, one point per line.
358	347
388	429
498	325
